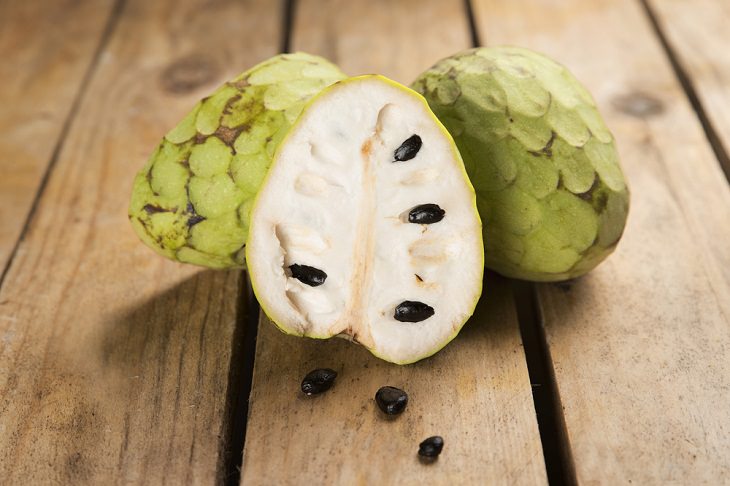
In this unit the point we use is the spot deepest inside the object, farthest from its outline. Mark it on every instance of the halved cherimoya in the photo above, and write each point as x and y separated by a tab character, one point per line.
366	226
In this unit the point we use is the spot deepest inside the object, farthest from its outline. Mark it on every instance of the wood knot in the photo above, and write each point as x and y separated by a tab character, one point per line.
187	74
638	104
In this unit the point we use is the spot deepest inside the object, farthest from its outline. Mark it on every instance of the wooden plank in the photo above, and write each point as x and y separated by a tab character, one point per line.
475	393
640	345
114	362
46	48
697	34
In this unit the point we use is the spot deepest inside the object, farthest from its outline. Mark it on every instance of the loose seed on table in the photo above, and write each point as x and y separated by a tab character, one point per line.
318	381
391	400
431	447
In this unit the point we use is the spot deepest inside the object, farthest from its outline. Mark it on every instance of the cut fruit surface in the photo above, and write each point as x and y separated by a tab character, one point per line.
366	225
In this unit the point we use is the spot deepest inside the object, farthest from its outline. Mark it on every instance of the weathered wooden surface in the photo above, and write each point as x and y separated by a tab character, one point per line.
114	362
396	39
640	346
46	48
475	393
697	34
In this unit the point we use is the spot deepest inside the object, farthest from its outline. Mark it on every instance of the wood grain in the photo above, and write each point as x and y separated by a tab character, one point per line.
396	39
114	362
640	345
475	393
697	34
46	48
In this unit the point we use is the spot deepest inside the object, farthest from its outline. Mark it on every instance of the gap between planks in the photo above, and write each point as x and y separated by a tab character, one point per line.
618	337
83	463
243	347
243	350
688	87
556	448
559	464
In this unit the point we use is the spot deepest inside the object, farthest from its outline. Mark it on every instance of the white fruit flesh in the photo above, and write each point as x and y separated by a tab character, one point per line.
335	199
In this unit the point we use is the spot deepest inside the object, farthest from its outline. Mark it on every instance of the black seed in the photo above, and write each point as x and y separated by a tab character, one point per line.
431	447
318	381
391	400
426	214
408	149
314	277
411	311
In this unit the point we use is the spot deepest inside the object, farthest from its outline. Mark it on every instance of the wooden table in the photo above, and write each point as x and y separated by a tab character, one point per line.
119	367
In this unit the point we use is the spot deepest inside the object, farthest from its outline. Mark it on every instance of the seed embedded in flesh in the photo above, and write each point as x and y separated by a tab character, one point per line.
426	214
318	381
408	149
431	447
412	311
391	400
314	277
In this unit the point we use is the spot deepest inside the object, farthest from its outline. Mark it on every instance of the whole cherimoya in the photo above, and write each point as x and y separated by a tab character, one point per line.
545	168
366	225
191	202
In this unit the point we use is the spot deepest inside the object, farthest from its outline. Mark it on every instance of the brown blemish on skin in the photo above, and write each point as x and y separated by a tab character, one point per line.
228	135
193	220
546	150
190	209
588	195
187	74
253	107
600	202
638	104
153	237
229	103
240	84
152	209
597	198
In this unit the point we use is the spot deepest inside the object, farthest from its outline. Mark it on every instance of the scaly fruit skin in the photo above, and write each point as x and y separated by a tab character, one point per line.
549	186
191	201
